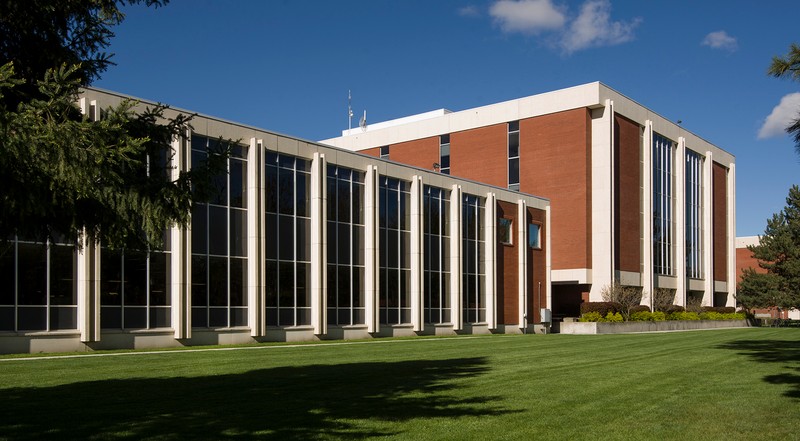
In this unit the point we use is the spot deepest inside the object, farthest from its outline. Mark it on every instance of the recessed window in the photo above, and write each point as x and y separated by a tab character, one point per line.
534	236
444	154
513	155
385	152
504	231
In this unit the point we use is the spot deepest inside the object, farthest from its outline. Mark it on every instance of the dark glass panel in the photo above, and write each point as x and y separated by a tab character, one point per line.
286	243
392	249
405	250
199	317
32	318
358	204
343	243
63	317
383	196
383	245
358	286
218	281
238	232
332	285
405	288
513	126
199	143
135	270
238	316
285	161
513	171
444	139
218	231
110	317
7	276
238	286
332	242
513	145
392	210
286	284
392	316
272	236
271	191
303	280
343	289
359	316
271	283
405	213
111	277
199	281
304	316
135	317
392	288
286	316
160	317
238	183
285	191
62	285
358	244
303	240
343	201
199	228
302	165
272	317
159	279
219	189
218	317
332	199
303	194
344	317
239	151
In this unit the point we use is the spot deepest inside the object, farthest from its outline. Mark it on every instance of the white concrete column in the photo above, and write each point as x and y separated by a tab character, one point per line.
708	230
548	260
371	250
647	214
680	221
181	252
255	223
731	236
319	258
88	288
417	249
522	264
456	264
489	257
602	199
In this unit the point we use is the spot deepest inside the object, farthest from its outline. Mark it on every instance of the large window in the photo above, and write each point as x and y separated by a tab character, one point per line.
288	240
513	155
663	251
444	154
436	243
37	286
694	215
345	246
219	242
395	252
473	265
134	289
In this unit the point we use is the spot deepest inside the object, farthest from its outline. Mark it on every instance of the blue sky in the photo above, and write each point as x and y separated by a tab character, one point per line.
286	66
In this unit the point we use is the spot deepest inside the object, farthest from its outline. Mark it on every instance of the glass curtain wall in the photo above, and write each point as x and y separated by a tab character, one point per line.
395	252
663	251
345	246
694	215
288	240
219	242
473	265
436	258
37	286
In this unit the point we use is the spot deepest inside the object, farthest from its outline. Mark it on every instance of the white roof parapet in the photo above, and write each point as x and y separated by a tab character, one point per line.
397	121
745	241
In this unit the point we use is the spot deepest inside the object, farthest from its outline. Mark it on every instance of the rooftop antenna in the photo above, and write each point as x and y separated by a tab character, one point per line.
363	122
349	111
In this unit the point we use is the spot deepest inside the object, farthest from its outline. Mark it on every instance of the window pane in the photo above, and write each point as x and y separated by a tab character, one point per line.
218	231
159	274
513	171
7	275
238	177
111	277
62	288
513	145
238	232
199	228
218	281
533	235
199	281
135	287
302	196
238	286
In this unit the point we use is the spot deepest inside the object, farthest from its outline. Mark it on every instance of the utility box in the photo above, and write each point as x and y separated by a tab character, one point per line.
546	315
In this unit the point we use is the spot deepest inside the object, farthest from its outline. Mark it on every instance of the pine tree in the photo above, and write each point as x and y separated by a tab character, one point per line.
789	66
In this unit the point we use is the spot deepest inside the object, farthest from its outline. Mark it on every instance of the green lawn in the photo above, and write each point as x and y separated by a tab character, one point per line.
721	384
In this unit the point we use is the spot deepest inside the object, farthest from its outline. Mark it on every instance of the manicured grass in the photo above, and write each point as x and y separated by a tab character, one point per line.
722	384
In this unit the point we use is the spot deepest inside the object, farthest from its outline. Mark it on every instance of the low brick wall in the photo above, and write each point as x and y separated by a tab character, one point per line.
625	327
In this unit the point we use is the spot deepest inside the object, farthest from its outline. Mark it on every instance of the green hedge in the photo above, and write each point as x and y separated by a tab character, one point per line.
658	316
602	308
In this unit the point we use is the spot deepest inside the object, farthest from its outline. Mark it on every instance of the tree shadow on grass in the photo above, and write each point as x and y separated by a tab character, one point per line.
286	403
785	352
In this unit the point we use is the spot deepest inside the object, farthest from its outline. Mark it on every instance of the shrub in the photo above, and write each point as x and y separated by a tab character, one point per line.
602	308
710	315
639	308
663	298
615	317
673	308
626	296
678	315
642	316
733	316
659	316
591	317
719	309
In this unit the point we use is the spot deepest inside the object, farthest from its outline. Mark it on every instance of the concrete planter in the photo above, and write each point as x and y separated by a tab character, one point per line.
625	327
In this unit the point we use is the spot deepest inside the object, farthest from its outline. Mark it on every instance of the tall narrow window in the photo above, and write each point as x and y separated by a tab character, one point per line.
694	215
219	242
444	154
436	244
345	246
385	152
473	265
395	253
513	155
663	253
288	240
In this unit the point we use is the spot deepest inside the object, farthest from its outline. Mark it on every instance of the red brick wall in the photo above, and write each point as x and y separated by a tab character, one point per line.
537	268
481	154
555	162
421	153
745	259
627	203
720	214
507	264
372	152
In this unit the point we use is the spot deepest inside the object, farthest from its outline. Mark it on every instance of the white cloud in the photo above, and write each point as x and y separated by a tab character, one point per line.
527	16
593	27
720	40
781	117
469	11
